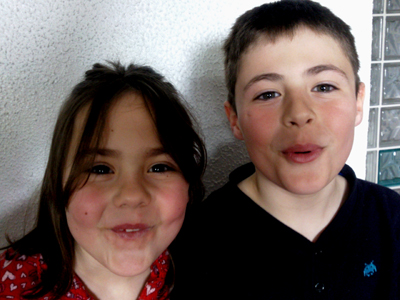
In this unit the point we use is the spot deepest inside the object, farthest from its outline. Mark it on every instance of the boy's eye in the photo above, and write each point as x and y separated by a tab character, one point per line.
268	95
324	88
101	170
159	168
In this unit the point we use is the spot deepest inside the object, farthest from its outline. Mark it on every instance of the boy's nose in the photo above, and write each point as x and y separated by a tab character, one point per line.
131	193
297	111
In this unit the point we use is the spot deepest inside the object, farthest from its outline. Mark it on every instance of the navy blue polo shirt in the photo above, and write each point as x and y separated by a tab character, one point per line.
231	248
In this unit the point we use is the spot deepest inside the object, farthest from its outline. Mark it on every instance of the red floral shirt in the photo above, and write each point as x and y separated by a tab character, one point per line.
22	273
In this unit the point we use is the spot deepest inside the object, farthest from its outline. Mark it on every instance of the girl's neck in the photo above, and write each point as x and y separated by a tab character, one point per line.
309	215
103	284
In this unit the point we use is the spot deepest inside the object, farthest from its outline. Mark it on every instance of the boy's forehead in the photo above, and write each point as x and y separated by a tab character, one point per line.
265	39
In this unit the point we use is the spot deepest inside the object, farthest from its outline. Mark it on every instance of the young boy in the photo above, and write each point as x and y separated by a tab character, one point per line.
295	223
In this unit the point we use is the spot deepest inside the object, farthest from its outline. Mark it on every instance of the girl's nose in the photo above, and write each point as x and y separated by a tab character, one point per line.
297	111
131	193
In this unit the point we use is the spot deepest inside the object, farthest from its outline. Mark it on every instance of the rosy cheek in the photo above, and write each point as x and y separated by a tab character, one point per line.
176	202
178	213
84	208
180	209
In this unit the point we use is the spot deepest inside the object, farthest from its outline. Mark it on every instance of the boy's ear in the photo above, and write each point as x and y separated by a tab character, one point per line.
233	120
360	103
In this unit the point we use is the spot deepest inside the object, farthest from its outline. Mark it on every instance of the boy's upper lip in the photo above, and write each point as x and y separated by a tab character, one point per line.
301	148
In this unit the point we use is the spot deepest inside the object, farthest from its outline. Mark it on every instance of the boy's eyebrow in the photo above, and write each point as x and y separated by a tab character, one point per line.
321	68
266	76
312	71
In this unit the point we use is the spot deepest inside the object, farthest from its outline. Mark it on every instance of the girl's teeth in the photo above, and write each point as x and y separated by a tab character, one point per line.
131	230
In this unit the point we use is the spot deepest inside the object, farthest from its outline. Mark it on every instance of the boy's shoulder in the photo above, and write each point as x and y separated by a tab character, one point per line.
362	192
375	200
230	190
368	189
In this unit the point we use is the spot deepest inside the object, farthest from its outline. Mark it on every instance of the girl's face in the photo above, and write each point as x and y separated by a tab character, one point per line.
134	202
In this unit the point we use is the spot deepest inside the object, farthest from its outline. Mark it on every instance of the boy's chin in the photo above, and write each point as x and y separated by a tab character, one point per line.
305	185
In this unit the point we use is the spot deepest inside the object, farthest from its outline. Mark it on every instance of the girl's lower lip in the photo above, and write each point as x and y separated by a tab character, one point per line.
302	157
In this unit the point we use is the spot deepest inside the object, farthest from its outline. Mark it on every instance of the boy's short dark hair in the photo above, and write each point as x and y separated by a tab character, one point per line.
276	19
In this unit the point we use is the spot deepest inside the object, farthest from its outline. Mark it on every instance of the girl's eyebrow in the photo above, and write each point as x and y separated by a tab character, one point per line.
106	152
100	151
114	153
156	151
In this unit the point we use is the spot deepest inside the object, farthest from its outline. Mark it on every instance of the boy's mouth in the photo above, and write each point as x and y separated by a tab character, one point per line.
302	153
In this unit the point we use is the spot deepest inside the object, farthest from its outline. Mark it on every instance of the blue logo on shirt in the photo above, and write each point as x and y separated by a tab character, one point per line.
370	269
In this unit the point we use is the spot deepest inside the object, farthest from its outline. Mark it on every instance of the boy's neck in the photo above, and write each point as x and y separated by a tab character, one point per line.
308	215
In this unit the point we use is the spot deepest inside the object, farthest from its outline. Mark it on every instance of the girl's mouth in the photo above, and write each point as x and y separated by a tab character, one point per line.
131	231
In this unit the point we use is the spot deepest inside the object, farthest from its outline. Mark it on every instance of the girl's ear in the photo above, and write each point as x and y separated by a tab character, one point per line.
360	103
233	120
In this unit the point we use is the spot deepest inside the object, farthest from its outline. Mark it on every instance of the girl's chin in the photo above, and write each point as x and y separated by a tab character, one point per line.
130	270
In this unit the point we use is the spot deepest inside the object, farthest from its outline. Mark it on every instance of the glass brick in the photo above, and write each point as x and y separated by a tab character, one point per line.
390	127
375	84
371	166
378	7
392	6
391	83
389	167
377	38
372	127
392	40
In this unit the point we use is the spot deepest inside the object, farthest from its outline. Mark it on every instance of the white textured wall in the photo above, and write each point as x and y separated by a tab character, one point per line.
46	45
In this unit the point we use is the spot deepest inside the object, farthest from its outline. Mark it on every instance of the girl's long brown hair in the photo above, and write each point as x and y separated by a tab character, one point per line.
102	86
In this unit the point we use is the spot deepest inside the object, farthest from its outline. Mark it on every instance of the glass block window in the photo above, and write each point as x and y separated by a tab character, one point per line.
383	155
389	167
391	83
393	6
377	38
392	38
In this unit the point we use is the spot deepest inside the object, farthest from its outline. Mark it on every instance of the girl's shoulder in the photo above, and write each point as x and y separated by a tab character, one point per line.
19	273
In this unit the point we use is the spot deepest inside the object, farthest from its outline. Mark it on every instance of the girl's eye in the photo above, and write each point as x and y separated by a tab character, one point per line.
160	168
101	170
324	88
268	95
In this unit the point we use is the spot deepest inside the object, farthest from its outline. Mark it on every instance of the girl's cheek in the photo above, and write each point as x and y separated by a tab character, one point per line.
179	198
85	208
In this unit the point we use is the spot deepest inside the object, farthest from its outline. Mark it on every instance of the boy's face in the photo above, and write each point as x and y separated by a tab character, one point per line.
296	110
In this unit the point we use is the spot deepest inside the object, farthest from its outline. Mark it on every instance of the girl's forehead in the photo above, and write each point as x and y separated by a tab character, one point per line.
127	106
127	103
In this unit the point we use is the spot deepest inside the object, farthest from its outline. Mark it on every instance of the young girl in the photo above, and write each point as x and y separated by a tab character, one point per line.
124	162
